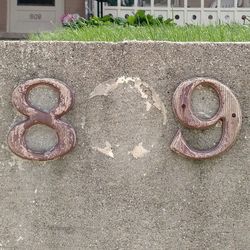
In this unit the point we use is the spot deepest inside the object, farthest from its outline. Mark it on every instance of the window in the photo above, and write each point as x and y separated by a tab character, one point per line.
36	2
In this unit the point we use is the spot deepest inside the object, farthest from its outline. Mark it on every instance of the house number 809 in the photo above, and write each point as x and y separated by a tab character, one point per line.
229	114
35	16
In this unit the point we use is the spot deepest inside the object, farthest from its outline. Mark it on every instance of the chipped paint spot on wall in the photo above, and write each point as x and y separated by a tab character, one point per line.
105	88
139	151
145	90
148	105
106	150
19	239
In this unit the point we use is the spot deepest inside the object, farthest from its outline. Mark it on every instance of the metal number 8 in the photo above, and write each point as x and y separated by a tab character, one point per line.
65	132
229	113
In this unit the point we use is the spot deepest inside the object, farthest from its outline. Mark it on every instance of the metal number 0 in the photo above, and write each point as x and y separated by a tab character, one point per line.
65	133
229	113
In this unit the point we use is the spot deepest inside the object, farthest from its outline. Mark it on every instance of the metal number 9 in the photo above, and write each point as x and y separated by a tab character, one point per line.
229	113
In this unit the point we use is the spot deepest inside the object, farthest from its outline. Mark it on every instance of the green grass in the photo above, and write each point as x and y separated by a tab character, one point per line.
219	33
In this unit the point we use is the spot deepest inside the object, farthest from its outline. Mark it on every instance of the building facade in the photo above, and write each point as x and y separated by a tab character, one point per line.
24	16
184	11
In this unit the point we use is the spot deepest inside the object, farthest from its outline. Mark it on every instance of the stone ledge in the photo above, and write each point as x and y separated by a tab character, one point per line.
12	36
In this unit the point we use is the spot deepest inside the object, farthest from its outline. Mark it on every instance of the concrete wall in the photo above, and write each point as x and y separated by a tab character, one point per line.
122	187
3	15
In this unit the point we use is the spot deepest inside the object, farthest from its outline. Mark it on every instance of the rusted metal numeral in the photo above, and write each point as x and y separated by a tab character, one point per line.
65	133
229	113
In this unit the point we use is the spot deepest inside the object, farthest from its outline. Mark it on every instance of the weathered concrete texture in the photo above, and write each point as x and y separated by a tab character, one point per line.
122	187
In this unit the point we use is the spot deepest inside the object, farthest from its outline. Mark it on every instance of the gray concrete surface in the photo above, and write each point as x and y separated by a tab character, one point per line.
122	187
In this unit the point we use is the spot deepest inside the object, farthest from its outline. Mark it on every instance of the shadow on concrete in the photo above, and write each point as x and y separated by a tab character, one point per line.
13	36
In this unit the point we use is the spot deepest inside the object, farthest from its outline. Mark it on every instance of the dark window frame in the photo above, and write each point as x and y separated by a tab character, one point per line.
36	3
